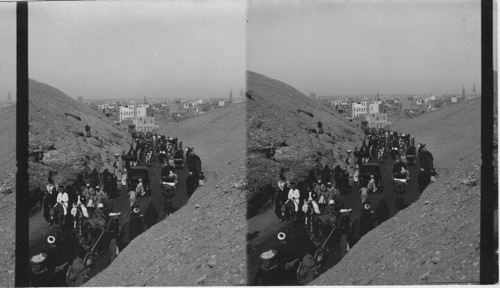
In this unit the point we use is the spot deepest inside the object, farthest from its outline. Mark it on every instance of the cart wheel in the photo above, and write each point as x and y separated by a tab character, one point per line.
87	260
318	255
344	246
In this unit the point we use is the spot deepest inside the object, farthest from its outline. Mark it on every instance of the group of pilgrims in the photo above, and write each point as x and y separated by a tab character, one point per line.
319	196
87	200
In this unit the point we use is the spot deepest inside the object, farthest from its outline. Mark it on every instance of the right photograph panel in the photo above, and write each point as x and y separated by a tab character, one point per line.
363	142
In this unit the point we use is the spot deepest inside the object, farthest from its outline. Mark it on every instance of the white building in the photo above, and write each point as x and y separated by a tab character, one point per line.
374	107
358	109
224	103
126	112
141	110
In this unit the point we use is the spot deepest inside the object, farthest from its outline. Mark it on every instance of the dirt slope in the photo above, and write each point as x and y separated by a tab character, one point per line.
274	121
435	240
7	201
204	242
60	136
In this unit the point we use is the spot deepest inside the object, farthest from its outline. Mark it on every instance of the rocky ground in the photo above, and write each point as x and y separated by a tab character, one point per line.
54	127
7	195
281	117
204	242
435	240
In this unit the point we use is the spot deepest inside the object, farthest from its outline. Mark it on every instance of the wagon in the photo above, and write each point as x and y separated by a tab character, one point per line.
330	237
134	174
98	240
179	159
365	172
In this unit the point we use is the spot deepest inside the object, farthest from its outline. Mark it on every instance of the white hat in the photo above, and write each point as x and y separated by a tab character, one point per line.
88	184
331	201
97	186
51	239
268	254
281	236
100	205
140	180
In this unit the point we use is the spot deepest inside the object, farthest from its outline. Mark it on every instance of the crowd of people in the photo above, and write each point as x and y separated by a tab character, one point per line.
82	210
320	195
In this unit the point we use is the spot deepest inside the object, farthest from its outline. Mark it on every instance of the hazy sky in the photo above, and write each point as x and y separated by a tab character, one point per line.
8	50
361	47
136	49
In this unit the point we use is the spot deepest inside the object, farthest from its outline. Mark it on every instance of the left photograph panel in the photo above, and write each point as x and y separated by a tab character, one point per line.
137	143
7	142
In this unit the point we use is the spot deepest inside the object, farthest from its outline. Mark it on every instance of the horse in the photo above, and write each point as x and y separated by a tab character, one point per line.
57	214
288	211
79	216
310	212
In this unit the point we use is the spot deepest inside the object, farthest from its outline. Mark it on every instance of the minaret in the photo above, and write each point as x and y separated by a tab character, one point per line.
145	100
231	96
378	96
474	89
463	91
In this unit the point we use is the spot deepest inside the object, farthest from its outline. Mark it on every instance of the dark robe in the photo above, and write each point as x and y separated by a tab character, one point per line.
94	178
426	161
135	226
325	175
151	215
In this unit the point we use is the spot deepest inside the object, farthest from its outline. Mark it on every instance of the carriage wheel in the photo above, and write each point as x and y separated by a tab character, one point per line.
318	255
87	260
344	246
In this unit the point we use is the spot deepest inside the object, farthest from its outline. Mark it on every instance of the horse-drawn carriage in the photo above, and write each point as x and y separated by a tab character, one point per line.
366	170
330	235
99	236
135	174
179	159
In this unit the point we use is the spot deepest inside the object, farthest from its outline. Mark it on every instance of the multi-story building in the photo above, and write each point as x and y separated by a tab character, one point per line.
377	120
358	109
133	111
126	112
144	124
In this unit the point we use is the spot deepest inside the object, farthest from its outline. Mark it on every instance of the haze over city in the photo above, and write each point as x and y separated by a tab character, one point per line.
362	47
136	49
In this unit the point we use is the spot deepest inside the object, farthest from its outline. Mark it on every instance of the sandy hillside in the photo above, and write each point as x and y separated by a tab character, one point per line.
60	136
274	121
436	239
7	200
204	242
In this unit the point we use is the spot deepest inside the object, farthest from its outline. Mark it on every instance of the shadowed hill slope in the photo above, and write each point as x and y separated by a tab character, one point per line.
204	242
436	239
54	127
281	117
8	194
